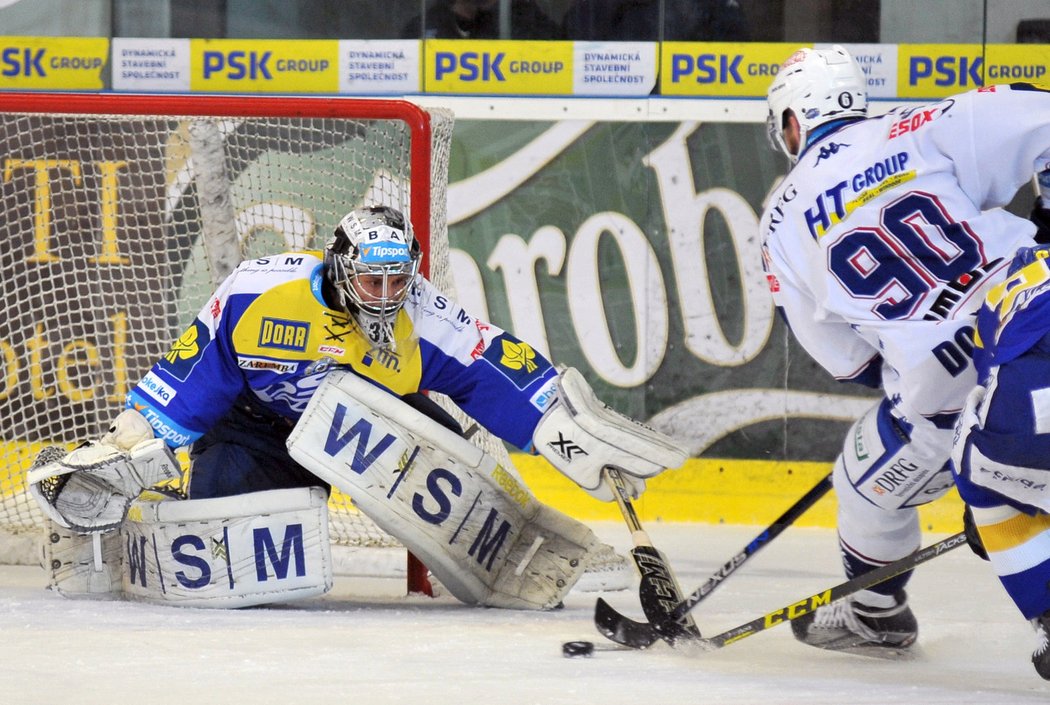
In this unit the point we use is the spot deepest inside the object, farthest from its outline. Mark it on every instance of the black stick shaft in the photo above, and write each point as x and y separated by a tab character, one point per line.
658	590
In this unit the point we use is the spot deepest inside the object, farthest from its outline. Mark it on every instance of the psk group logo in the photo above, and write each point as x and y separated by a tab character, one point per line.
54	63
720	69
515	360
186	352
937	70
264	66
528	68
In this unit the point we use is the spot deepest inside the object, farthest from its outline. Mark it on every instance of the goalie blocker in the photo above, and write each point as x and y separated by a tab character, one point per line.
581	436
477	529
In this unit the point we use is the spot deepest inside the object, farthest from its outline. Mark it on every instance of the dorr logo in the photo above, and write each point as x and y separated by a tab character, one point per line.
283	334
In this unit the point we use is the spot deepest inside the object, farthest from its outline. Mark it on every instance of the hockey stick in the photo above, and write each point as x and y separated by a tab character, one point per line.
809	604
659	591
640	635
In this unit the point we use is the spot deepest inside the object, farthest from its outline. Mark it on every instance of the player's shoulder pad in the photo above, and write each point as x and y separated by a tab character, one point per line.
257	275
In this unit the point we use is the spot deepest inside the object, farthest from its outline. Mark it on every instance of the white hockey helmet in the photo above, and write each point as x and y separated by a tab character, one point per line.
817	85
377	242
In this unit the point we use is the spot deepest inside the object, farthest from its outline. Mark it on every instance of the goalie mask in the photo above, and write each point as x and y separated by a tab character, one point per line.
818	86
371	262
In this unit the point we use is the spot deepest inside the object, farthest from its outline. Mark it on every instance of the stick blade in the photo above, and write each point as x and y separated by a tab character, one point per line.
660	596
621	629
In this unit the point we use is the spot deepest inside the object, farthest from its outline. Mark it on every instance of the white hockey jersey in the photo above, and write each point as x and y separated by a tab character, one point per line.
881	243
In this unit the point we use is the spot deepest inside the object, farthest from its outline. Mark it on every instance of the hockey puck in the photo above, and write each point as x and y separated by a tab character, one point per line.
572	649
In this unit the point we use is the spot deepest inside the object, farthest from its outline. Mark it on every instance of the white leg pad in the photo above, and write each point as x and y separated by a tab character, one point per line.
81	565
477	529
251	549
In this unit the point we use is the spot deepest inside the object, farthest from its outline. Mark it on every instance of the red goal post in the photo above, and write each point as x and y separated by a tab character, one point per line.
123	212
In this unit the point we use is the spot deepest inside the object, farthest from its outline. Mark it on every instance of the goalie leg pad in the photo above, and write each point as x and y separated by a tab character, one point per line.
477	529
581	436
82	565
251	549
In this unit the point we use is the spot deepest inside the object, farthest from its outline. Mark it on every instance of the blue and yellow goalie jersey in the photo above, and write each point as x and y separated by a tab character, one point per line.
267	331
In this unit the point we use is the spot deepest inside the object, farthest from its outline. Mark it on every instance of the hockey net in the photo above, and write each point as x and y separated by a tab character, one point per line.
123	213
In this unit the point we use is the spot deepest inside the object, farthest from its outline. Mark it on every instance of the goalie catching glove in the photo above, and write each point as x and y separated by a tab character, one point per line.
581	436
90	488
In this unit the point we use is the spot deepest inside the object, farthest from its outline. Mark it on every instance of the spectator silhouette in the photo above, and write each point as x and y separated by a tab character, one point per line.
639	20
479	19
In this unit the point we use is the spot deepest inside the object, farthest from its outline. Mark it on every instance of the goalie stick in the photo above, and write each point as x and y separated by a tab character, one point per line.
806	605
658	591
639	635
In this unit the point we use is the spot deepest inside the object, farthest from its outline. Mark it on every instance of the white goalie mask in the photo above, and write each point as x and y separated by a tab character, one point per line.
372	261
818	86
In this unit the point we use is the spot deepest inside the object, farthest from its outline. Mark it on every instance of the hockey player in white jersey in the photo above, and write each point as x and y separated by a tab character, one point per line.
265	385
878	246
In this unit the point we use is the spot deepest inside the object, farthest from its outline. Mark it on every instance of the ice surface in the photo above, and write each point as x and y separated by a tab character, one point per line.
364	644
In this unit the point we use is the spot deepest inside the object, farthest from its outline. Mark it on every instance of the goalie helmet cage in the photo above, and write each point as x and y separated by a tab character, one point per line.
123	212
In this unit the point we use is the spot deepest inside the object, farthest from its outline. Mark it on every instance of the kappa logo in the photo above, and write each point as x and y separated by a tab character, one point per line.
566	447
828	151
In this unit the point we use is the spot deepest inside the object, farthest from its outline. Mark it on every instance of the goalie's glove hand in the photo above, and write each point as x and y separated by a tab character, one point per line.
90	488
581	436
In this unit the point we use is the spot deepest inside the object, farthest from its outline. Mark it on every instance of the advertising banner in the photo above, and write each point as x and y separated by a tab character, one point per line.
703	70
264	66
498	67
53	63
151	65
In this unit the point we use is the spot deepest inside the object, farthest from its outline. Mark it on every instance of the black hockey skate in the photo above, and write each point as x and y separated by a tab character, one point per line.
848	625
1041	655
